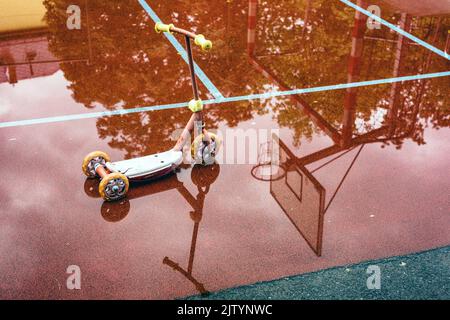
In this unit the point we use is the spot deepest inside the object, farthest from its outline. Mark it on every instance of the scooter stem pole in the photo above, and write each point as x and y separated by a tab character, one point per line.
191	67
186	134
197	117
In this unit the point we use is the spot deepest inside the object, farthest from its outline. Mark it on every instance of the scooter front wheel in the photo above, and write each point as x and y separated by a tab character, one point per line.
114	186
91	160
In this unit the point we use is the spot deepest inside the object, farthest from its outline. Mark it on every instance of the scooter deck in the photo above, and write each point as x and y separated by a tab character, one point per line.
147	167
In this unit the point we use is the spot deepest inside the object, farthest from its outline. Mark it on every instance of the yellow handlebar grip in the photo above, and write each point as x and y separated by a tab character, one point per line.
161	27
201	41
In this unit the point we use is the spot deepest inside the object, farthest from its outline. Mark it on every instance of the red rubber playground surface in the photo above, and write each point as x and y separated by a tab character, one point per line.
365	136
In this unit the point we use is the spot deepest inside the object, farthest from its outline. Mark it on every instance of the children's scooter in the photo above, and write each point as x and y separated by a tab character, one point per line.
116	176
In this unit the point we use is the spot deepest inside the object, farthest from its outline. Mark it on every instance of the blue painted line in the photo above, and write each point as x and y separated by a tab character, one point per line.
267	95
397	29
258	96
90	115
199	72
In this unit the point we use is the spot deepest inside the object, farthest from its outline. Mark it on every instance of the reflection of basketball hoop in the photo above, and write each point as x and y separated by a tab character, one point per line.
268	167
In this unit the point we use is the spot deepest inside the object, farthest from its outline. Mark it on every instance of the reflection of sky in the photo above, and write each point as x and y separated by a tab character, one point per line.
39	97
4	105
376	120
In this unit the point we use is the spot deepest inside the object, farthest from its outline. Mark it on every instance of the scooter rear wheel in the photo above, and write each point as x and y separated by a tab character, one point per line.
91	160
114	186
205	154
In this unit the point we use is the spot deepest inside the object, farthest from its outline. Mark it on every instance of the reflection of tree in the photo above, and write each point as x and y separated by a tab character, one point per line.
321	55
418	111
132	66
321	51
123	46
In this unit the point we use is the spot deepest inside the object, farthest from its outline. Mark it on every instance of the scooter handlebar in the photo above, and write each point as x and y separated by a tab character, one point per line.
161	27
199	40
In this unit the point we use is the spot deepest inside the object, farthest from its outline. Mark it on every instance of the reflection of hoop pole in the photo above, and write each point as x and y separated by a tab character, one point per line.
88	32
447	44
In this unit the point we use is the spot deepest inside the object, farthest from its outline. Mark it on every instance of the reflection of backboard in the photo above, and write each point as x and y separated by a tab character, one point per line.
300	196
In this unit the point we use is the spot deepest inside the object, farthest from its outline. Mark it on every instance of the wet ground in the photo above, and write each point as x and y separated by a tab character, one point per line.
206	229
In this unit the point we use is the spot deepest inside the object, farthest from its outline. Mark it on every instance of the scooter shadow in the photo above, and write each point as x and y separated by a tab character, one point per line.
202	176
